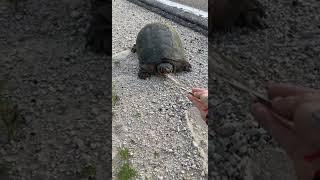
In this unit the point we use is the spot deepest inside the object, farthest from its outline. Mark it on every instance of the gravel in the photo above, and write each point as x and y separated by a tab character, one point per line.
288	52
61	91
162	125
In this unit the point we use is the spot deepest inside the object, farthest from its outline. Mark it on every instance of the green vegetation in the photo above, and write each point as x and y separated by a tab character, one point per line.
8	114
12	3
117	63
88	171
124	154
115	97
4	169
137	115
156	155
126	172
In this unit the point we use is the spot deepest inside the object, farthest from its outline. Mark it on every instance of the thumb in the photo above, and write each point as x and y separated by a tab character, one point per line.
307	121
197	103
271	123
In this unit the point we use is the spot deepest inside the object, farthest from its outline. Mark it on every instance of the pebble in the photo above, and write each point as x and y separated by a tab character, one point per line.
226	130
79	143
195	144
94	111
171	114
243	149
18	16
217	156
75	14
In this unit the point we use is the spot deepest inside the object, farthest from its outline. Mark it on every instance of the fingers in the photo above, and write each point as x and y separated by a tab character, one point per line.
307	122
284	90
197	102
274	126
198	89
198	92
202	96
287	106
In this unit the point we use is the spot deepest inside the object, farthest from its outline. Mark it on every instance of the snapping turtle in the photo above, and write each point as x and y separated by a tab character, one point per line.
98	37
227	13
160	51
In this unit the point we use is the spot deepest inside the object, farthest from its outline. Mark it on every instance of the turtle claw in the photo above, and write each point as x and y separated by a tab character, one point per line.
187	67
143	75
134	49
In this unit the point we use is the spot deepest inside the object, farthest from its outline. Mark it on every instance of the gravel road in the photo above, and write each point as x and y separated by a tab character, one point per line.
150	117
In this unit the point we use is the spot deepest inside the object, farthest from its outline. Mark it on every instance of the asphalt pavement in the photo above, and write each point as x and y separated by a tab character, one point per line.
199	4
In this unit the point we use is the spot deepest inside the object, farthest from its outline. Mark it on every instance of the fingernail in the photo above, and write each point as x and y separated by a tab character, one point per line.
277	99
258	108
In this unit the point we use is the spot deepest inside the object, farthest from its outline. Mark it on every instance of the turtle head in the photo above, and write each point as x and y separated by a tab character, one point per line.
165	68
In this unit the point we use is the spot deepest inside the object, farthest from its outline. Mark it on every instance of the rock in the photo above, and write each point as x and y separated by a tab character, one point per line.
75	14
243	149
79	143
226	130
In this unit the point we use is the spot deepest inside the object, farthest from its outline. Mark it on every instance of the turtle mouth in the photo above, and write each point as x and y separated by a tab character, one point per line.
165	68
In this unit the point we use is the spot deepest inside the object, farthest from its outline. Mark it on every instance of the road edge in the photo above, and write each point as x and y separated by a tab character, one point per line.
192	21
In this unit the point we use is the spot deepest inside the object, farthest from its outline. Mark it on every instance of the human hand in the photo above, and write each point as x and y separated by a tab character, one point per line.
294	121
200	100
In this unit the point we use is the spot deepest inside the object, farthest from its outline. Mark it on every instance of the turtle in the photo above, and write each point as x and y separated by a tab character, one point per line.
160	51
98	38
227	13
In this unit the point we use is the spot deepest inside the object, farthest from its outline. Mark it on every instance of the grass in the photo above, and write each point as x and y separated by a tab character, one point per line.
137	115
156	155
4	170
115	97
88	171
124	154
126	171
117	63
12	3
8	114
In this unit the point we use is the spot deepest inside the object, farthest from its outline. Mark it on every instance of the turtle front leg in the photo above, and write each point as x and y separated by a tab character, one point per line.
187	67
183	66
142	74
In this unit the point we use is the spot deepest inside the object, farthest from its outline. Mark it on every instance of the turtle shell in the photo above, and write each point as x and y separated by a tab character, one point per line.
157	43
